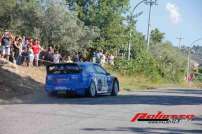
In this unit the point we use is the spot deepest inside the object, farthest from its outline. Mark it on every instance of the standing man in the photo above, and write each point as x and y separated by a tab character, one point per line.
76	57
0	47
49	54
99	55
6	42
94	53
56	57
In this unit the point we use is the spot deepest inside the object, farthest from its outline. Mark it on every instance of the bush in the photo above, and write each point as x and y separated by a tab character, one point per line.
154	69
200	70
142	64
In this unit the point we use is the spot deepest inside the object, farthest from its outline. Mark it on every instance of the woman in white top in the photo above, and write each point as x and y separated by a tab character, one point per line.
30	55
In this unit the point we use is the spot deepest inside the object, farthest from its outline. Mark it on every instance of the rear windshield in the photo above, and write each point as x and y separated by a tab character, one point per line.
63	69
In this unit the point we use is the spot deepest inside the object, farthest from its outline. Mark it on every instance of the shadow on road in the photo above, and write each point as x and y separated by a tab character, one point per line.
134	98
181	91
145	130
128	99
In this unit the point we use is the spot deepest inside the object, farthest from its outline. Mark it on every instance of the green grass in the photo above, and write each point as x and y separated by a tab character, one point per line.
139	82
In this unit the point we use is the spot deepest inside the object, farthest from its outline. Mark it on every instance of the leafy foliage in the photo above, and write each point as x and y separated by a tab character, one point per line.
157	36
52	23
107	16
102	24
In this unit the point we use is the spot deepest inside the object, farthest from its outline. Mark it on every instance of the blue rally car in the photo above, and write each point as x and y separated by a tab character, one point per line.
82	78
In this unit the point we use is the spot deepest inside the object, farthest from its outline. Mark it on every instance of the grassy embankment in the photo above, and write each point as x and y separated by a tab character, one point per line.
138	82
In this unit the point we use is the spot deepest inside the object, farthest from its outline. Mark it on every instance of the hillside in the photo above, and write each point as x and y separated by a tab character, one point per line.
16	81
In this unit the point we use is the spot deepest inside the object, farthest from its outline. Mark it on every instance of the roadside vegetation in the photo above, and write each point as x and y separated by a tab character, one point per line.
103	25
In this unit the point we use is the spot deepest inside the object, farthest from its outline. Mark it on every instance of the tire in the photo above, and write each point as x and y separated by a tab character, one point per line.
92	90
115	89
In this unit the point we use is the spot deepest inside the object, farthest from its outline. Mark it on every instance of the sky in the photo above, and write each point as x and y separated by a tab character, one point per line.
176	18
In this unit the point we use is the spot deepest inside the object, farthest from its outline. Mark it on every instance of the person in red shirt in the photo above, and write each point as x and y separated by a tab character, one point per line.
36	50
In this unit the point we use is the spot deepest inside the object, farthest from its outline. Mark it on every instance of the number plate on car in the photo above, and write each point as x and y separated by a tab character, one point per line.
60	88
61	92
61	80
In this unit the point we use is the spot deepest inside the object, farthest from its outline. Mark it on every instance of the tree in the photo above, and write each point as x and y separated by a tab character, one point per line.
6	8
27	18
62	29
105	15
157	36
51	22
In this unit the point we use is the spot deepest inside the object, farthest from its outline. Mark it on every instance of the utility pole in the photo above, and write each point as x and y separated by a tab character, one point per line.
180	41
188	65
129	46
130	22
150	3
147	2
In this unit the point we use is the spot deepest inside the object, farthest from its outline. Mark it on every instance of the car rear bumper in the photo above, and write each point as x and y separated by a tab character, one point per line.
65	90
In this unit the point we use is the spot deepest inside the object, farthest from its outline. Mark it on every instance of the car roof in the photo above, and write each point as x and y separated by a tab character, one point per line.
85	63
78	63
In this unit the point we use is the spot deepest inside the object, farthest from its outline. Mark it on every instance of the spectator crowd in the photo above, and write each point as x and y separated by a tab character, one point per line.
28	51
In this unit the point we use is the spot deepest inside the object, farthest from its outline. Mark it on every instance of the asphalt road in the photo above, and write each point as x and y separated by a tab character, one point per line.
102	115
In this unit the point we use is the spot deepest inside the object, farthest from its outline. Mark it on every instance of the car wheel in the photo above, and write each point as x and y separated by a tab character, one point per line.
115	89
92	90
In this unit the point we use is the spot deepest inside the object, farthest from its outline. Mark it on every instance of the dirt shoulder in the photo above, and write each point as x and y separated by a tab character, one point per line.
17	81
